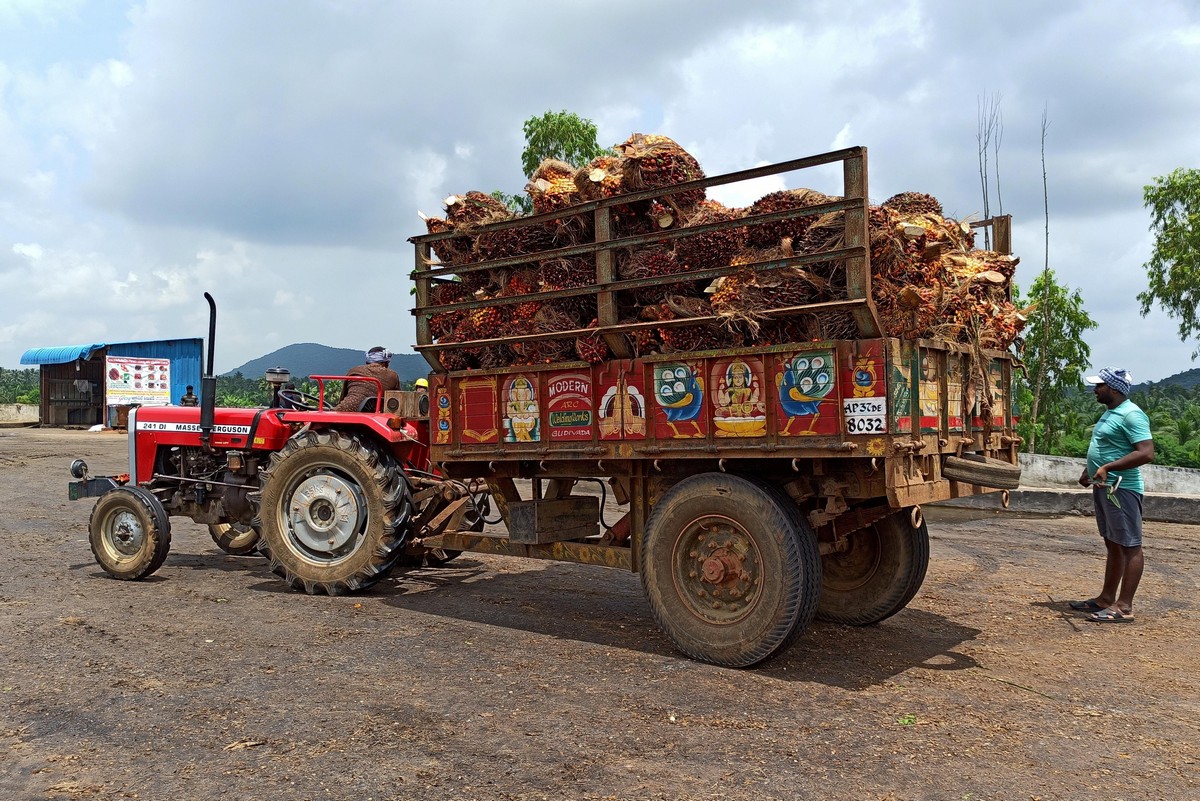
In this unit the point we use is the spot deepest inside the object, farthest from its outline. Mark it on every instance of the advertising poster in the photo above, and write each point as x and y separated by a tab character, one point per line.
134	380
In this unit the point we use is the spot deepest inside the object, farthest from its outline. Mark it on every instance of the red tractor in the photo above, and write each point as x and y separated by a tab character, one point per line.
334	500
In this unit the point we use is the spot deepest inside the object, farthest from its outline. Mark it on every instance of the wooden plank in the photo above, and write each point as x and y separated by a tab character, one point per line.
424	252
606	298
858	268
579	552
539	522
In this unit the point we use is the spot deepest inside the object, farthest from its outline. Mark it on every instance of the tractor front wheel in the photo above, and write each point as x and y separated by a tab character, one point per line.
335	512
129	532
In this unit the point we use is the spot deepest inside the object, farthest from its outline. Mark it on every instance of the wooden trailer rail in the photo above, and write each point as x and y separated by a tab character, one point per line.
855	255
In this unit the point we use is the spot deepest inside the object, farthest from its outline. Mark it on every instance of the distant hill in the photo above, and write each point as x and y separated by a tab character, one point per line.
309	358
1187	379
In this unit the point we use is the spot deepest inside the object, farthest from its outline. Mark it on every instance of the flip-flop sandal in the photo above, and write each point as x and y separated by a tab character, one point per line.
1086	606
1110	616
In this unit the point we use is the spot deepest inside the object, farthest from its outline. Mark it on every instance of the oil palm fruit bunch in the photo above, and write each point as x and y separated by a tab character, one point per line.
443	293
770	234
488	320
600	178
453	251
702	336
552	186
522	283
642	341
569	273
475	208
654	262
521	241
592	349
543	351
714	248
914	203
657	162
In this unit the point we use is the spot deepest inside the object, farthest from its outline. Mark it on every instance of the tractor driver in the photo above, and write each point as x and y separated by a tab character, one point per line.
357	394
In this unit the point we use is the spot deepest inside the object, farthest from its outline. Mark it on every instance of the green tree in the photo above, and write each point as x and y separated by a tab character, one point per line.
1174	266
559	135
1055	352
20	386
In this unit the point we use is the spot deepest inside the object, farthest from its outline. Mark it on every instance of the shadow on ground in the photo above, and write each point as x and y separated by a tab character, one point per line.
570	603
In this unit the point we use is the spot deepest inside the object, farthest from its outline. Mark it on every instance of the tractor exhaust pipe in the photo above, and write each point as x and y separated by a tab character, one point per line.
208	382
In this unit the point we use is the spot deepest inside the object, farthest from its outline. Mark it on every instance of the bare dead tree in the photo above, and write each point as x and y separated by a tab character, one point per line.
997	138
988	122
1047	307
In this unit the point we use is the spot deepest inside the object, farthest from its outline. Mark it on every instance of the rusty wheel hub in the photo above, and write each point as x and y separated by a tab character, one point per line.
716	569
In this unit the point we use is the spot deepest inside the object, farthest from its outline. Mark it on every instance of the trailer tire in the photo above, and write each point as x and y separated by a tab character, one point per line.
726	540
982	470
878	576
235	539
129	533
335	512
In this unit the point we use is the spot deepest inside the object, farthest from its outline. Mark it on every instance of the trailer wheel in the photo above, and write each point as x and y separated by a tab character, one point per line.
982	470
129	532
235	539
335	513
878	576
730	577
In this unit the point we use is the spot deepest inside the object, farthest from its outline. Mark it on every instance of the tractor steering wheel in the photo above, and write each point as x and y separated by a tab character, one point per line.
300	401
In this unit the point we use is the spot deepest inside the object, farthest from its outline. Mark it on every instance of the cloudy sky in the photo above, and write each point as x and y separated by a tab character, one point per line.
276	152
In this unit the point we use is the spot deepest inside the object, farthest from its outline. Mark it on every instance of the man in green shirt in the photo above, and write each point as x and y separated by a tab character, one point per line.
1120	445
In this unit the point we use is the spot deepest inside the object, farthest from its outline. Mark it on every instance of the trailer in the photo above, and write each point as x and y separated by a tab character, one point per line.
758	487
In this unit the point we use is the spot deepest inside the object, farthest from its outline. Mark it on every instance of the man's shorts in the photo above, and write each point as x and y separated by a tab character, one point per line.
1120	524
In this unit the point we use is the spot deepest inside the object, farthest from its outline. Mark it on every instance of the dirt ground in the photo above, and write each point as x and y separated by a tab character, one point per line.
501	678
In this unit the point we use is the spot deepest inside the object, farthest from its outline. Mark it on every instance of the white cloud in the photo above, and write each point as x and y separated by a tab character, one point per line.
31	252
16	13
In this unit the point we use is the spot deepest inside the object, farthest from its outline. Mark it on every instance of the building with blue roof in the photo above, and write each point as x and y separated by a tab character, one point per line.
80	382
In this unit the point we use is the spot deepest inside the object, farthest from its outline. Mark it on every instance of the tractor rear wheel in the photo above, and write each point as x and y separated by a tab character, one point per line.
729	575
130	533
235	539
879	574
335	512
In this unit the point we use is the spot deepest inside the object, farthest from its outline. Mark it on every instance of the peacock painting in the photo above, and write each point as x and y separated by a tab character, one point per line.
803	384
680	394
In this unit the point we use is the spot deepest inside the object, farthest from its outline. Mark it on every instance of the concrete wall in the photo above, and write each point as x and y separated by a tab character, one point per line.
19	413
1063	472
